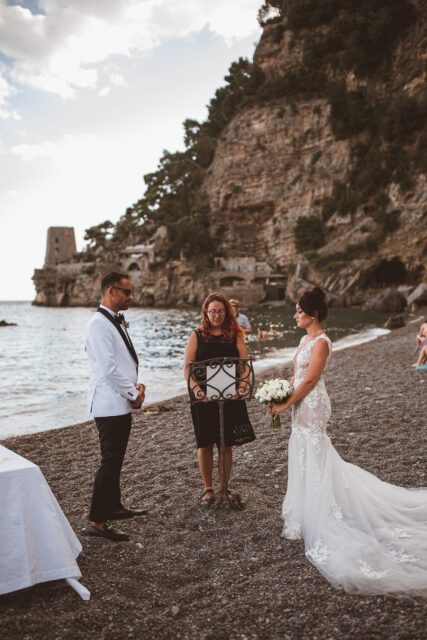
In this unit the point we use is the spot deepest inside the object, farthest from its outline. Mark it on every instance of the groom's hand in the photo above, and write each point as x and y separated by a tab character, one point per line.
141	396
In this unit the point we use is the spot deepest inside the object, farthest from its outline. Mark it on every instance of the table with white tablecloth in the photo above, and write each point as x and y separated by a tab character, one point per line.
37	543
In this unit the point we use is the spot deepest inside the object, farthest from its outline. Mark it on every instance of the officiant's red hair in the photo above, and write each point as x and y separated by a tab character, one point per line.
230	326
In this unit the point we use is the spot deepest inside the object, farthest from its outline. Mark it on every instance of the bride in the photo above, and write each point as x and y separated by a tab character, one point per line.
364	535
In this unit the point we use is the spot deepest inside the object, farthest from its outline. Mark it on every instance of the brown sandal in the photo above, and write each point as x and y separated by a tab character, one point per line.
208	501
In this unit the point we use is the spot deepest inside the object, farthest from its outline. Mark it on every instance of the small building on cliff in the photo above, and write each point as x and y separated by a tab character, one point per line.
248	278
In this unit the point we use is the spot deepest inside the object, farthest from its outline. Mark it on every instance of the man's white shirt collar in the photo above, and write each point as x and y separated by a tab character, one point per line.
113	313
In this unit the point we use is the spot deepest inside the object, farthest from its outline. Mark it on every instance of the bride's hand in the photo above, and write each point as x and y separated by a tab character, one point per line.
276	408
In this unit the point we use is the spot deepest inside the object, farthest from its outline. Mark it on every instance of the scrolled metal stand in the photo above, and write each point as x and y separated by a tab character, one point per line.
237	383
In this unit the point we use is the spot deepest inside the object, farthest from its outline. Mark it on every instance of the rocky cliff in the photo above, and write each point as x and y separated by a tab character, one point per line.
312	165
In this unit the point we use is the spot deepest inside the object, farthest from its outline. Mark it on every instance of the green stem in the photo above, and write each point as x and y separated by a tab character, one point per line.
275	422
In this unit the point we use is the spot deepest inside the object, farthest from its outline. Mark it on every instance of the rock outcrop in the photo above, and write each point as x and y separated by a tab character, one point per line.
419	295
394	322
390	300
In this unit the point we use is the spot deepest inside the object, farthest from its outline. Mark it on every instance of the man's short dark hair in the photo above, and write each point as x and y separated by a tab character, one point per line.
111	278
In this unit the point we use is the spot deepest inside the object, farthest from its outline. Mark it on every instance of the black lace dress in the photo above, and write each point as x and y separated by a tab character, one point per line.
237	426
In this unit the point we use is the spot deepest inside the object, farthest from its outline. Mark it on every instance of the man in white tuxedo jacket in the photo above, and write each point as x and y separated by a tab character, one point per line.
113	393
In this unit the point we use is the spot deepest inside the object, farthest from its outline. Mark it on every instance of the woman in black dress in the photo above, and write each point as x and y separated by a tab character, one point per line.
218	335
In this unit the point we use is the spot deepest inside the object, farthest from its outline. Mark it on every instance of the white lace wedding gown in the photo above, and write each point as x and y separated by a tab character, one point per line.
362	534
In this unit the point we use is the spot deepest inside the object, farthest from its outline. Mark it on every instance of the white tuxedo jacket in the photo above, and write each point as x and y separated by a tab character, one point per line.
113	371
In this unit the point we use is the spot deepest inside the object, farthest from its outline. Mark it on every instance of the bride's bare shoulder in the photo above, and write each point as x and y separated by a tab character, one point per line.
325	339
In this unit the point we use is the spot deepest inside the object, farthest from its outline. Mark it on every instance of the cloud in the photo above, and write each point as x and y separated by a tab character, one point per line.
104	92
62	80
229	20
6	92
29	152
58	51
67	152
117	79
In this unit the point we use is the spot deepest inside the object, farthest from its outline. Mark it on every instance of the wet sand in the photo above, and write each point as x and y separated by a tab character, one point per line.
221	575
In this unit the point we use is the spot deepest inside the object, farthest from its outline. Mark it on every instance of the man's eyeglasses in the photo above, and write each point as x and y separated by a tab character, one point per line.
216	313
127	292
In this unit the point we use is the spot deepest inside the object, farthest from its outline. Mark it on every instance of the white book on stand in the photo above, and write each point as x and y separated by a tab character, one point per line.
220	380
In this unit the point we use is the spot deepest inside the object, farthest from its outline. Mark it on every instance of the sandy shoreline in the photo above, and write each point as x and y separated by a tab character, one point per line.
230	575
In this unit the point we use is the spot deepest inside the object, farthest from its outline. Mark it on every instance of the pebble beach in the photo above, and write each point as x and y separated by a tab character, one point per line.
227	575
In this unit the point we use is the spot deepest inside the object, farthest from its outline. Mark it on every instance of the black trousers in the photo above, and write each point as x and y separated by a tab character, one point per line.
113	437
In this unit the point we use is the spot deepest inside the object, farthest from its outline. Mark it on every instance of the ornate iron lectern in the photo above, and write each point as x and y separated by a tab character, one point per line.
222	380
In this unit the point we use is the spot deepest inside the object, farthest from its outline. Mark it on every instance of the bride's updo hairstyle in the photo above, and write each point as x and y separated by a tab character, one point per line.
313	302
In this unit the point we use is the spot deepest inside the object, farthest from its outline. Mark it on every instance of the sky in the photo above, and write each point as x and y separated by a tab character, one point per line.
91	93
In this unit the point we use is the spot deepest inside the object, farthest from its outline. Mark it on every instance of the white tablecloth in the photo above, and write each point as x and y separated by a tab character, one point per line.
37	543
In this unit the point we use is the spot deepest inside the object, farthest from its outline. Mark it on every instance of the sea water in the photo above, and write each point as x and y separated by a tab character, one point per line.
44	372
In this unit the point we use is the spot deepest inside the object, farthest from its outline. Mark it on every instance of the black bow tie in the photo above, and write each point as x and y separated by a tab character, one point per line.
120	318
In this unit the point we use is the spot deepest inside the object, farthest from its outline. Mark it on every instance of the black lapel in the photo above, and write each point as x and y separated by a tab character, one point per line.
127	342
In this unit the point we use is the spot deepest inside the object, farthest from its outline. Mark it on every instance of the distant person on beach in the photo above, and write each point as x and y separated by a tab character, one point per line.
242	320
218	335
421	338
265	335
113	393
364	535
422	358
421	342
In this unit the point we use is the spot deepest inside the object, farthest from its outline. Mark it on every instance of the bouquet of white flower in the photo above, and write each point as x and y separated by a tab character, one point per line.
274	391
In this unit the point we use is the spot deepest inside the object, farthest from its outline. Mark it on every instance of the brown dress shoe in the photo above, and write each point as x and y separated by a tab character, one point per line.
106	532
124	514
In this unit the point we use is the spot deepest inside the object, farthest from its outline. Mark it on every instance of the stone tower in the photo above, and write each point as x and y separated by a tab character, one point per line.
61	245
